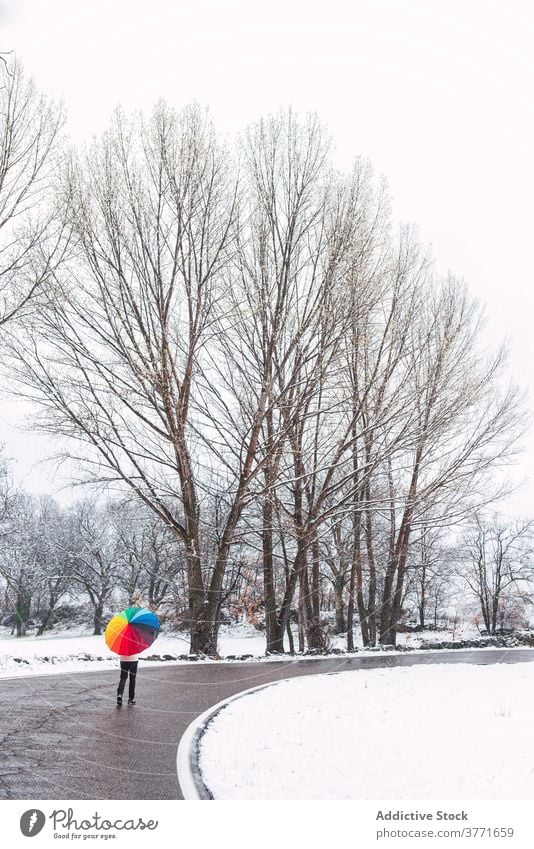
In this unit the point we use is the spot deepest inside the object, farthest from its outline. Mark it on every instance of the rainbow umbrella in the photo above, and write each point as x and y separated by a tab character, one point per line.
132	631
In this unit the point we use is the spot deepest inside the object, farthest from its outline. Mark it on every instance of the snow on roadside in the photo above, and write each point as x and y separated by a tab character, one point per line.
65	652
427	732
68	651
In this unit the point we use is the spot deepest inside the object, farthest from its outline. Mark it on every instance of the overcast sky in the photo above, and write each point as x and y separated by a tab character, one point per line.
437	94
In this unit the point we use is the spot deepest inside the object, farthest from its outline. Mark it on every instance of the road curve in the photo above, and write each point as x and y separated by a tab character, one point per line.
61	737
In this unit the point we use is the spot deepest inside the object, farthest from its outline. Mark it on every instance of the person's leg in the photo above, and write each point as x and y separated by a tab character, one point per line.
133	674
122	680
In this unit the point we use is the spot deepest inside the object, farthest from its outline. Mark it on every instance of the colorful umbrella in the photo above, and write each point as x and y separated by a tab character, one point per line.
132	631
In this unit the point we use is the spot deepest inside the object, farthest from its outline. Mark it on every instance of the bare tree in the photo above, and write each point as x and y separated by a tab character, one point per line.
19	558
305	227
32	560
54	545
94	567
149	556
29	238
430	572
498	565
150	212
375	372
467	423
336	548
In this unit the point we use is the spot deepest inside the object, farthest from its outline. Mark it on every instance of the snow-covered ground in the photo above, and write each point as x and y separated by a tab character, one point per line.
427	732
71	651
414	640
68	652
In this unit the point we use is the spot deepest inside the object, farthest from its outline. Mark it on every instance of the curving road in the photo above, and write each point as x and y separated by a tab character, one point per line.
61	737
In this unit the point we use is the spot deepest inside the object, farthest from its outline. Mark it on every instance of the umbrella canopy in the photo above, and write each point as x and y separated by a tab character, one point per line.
132	631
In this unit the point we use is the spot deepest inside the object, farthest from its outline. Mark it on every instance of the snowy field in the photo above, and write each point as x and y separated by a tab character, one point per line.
68	652
427	732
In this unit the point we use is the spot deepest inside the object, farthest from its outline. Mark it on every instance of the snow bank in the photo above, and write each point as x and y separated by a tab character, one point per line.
427	732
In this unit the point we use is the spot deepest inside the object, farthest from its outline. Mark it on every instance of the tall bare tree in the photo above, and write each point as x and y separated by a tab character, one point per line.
468	421
375	371
308	230
30	240
148	210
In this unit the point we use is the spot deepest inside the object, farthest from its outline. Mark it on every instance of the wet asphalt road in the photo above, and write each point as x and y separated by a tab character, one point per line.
62	737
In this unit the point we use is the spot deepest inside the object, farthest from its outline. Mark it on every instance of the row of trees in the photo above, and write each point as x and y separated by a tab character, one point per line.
57	564
240	340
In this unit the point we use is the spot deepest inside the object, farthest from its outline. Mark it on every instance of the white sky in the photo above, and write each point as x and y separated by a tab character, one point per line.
437	94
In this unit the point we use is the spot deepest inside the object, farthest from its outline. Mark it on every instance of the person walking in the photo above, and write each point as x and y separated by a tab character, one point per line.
129	664
133	631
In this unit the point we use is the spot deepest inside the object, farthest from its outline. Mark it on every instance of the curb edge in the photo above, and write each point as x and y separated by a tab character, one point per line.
188	754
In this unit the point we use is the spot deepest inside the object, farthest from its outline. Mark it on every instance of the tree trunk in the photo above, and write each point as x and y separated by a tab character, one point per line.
394	580
339	586
290	638
387	618
200	635
204	637
316	579
371	604
22	612
97	619
274	630
46	620
301	620
350	609
356	590
422	600
289	592
363	613
395	610
314	632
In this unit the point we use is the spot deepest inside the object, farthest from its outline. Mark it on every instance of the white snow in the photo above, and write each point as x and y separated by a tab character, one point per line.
68	652
421	732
